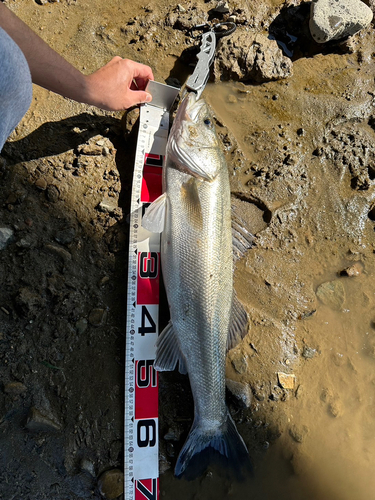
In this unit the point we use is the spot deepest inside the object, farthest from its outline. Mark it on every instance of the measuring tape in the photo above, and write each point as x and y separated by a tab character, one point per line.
141	456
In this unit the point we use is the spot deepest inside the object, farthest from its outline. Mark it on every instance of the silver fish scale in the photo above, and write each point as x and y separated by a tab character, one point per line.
197	267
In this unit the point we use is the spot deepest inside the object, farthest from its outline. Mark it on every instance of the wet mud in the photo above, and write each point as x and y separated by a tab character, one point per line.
299	139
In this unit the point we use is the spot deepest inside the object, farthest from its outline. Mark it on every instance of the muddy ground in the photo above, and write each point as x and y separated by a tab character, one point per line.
299	136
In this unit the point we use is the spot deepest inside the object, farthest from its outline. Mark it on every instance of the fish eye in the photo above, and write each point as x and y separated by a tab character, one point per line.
207	122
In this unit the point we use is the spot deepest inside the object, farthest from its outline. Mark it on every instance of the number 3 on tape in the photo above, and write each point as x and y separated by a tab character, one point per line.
141	456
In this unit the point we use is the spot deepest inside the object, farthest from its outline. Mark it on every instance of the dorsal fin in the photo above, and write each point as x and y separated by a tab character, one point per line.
241	237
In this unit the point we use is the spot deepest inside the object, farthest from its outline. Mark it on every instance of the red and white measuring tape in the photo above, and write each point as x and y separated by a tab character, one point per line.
141	457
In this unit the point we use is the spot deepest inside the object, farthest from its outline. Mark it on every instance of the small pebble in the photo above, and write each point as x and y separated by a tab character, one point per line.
41	184
61	252
221	8
111	484
240	391
335	409
353	270
286	380
97	317
232	99
65	236
173	434
88	466
6	235
53	194
24	243
308	352
15	388
81	325
108	205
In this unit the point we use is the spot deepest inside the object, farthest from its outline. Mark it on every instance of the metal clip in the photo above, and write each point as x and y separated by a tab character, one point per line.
198	80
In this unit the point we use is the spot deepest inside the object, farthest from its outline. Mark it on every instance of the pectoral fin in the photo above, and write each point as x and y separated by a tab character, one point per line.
168	353
154	217
238	328
192	204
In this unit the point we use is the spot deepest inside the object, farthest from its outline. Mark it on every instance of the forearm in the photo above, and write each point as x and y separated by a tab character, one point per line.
48	69
116	86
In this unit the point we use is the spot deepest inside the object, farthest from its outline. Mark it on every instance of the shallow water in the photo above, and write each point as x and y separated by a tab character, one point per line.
326	449
327	423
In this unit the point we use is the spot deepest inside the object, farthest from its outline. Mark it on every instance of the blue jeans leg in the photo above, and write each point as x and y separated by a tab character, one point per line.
15	86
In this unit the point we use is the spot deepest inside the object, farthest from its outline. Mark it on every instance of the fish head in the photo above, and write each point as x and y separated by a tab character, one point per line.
193	144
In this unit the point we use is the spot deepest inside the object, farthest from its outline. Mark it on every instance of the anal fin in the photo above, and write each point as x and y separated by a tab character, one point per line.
238	325
168	353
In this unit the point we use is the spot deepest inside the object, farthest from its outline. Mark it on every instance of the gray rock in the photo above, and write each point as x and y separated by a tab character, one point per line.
298	433
240	364
81	325
108	205
308	352
40	422
246	58
173	434
65	236
332	294
221	8
6	235
240	391
334	20
87	466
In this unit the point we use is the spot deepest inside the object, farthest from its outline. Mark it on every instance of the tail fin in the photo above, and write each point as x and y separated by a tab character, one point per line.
202	448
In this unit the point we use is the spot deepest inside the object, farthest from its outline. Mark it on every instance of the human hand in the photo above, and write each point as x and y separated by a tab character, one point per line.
118	85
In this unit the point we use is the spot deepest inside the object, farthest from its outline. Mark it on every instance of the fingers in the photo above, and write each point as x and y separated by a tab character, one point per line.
118	85
138	97
141	73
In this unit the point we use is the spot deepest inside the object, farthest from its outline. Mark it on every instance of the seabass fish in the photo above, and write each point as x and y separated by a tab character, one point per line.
194	216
